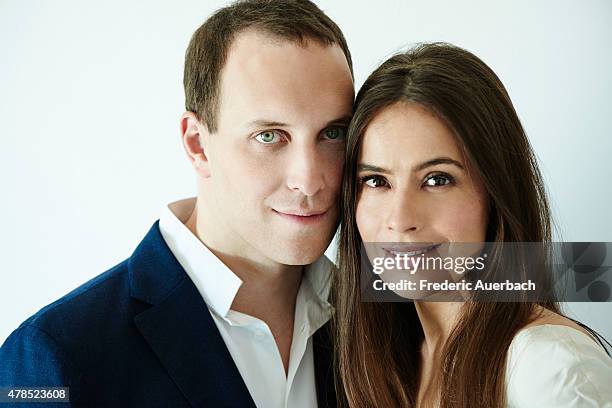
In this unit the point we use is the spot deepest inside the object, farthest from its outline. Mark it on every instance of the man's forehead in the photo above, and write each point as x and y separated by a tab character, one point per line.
270	79
263	52
255	35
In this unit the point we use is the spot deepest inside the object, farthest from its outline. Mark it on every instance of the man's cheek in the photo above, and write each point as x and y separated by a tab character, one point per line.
334	176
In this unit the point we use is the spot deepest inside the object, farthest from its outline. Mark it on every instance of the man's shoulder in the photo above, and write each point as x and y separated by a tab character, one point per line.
102	310
98	301
55	343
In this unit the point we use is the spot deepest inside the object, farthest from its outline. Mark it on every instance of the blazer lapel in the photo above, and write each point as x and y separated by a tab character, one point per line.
180	330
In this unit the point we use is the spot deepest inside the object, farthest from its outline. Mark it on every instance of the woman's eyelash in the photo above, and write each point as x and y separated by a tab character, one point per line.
431	180
438	180
373	181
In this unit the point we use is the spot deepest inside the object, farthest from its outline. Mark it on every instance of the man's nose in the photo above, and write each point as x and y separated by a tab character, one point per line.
404	214
306	170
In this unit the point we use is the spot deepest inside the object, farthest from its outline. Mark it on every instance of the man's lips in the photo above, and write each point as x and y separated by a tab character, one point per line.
304	217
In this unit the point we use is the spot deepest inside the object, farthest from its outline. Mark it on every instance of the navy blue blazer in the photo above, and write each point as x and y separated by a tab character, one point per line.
138	335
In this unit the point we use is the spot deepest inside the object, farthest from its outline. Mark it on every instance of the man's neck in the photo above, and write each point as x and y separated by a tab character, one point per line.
268	292
264	281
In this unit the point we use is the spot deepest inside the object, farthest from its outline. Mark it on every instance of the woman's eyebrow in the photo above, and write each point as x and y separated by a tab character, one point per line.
438	160
370	167
424	165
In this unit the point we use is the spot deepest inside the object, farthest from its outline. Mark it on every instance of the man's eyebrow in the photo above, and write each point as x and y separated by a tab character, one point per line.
342	121
266	123
422	166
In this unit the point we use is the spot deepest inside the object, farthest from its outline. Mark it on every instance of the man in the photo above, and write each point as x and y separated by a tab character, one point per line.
224	302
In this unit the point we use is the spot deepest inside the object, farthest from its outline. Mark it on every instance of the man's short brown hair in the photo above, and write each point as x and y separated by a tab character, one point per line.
292	20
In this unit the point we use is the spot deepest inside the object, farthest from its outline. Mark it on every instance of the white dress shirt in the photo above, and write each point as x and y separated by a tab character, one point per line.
248	339
557	366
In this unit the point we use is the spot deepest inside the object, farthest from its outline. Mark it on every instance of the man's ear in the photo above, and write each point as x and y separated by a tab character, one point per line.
193	134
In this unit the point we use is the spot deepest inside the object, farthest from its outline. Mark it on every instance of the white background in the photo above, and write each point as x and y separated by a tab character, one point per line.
91	93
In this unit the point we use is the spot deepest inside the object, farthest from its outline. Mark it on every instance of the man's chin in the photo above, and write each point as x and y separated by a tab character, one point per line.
298	255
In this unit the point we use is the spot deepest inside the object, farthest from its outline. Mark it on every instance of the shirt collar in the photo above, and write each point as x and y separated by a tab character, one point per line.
217	284
312	307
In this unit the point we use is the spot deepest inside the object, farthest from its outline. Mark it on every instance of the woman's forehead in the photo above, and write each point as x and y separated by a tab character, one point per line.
404	134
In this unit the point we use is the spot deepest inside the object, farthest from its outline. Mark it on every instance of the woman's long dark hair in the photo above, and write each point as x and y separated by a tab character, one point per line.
377	344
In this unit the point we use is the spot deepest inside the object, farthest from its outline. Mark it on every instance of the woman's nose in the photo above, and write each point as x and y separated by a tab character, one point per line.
404	214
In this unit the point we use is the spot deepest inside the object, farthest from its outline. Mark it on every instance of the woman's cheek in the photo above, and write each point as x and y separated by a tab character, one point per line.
366	219
463	220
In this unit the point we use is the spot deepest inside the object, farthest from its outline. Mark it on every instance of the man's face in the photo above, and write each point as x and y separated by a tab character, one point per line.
276	159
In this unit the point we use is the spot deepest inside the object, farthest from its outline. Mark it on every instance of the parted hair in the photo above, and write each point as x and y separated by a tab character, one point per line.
377	345
291	20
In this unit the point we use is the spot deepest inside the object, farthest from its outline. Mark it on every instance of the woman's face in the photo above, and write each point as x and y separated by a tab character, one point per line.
415	186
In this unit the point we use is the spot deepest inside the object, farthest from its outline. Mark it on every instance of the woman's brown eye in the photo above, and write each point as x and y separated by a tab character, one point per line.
438	180
374	181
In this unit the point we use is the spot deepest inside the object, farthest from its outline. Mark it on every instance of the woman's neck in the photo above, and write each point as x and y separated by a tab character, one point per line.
438	320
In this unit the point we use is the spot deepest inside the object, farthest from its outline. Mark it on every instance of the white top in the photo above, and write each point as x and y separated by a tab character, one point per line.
557	366
249	340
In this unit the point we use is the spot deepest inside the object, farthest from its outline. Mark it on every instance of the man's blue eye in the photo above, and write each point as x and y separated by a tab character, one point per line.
335	133
267	137
437	180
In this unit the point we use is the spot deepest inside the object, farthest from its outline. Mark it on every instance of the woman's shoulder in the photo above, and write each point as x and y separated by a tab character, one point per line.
554	363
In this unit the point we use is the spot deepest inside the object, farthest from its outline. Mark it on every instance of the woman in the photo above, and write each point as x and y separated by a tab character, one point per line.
437	154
